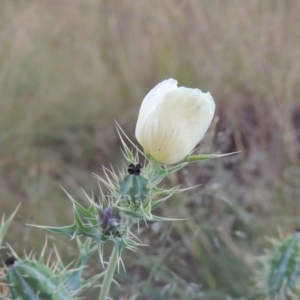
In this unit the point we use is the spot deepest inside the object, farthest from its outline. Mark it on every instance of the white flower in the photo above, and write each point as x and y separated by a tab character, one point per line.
172	120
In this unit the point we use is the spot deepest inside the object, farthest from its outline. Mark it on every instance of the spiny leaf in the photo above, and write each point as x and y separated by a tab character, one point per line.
85	251
5	225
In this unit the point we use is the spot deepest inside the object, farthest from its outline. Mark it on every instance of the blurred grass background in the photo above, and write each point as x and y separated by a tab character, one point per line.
68	69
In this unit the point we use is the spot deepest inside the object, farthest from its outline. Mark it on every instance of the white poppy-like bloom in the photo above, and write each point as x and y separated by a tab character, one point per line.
172	120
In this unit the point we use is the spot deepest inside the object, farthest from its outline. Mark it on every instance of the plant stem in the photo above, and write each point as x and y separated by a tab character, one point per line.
109	274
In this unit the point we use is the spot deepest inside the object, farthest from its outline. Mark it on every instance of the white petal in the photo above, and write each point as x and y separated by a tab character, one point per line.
150	103
156	95
173	120
181	122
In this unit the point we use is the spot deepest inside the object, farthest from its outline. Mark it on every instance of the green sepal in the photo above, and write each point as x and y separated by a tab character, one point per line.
199	157
159	172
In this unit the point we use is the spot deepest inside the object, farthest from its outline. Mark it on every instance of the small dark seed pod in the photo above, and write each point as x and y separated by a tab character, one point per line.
10	261
131	169
135	169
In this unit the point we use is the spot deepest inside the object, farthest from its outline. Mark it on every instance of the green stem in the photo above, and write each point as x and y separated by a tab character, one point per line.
109	274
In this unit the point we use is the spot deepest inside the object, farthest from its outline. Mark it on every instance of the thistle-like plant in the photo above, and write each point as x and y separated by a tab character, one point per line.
278	278
172	120
32	278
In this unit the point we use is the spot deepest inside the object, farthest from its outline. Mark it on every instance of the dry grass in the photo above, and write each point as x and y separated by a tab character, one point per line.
68	69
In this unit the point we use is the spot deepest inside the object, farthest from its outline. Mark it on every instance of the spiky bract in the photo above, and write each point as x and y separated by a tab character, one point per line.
32	279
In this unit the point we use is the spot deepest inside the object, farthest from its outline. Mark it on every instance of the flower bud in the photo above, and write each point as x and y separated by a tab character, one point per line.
172	120
109	222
